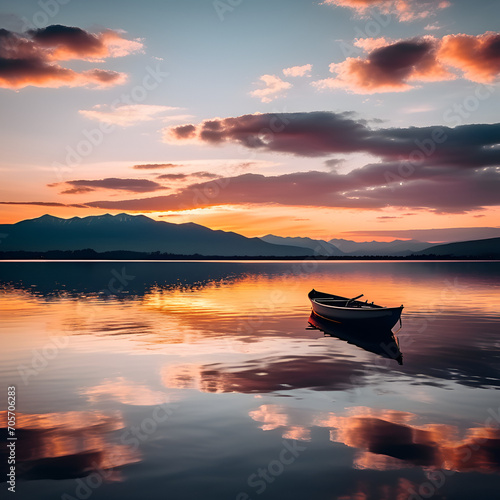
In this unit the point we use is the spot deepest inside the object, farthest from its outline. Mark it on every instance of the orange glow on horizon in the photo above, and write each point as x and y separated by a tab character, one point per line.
257	221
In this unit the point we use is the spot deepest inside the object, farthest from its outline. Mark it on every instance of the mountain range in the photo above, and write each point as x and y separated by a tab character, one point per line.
138	233
339	247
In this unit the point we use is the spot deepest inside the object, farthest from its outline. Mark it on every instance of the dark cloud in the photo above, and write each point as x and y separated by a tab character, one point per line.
31	58
172	177
361	188
113	183
72	38
448	234
153	166
205	175
323	133
399	59
201	175
393	66
43	204
334	163
388	68
439	168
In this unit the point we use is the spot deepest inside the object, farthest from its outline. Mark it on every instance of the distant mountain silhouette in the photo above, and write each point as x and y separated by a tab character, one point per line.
122	233
396	247
485	249
136	233
319	247
337	247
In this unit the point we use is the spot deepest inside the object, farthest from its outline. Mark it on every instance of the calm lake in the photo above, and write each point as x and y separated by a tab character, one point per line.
204	380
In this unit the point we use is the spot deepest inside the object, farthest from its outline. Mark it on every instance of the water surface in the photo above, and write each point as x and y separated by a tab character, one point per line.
186	380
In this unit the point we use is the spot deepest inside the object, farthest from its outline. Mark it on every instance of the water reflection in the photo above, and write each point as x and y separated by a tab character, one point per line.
389	439
381	342
228	342
66	445
124	392
319	372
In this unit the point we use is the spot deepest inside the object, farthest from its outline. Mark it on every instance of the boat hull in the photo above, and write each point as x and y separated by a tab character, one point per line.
359	314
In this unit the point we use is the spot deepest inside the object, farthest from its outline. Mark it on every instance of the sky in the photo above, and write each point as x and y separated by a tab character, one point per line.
356	119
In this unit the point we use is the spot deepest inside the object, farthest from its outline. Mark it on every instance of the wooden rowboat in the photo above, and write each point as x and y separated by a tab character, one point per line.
353	312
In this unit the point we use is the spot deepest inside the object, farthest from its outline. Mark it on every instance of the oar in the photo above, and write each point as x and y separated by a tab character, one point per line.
355	298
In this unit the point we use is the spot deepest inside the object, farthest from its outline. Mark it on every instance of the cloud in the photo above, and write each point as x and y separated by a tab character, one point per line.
68	42
112	183
202	175
155	166
364	188
448	234
388	68
172	177
389	439
274	87
31	58
209	175
478	57
432	27
71	445
334	163
299	372
440	168
403	10
125	115
42	204
323	133
369	44
394	66
124	392
305	134
304	70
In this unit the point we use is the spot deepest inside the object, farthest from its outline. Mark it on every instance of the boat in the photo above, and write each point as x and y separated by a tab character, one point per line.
378	341
352	312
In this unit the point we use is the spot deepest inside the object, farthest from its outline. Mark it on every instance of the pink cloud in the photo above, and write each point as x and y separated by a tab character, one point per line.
125	115
110	183
395	66
155	166
274	87
403	10
388	68
478	57
294	71
31	58
63	43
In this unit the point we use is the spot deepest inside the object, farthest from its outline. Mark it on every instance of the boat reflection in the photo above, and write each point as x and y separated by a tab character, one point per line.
381	342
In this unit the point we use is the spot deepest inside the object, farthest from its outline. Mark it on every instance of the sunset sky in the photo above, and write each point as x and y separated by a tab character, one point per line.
356	119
